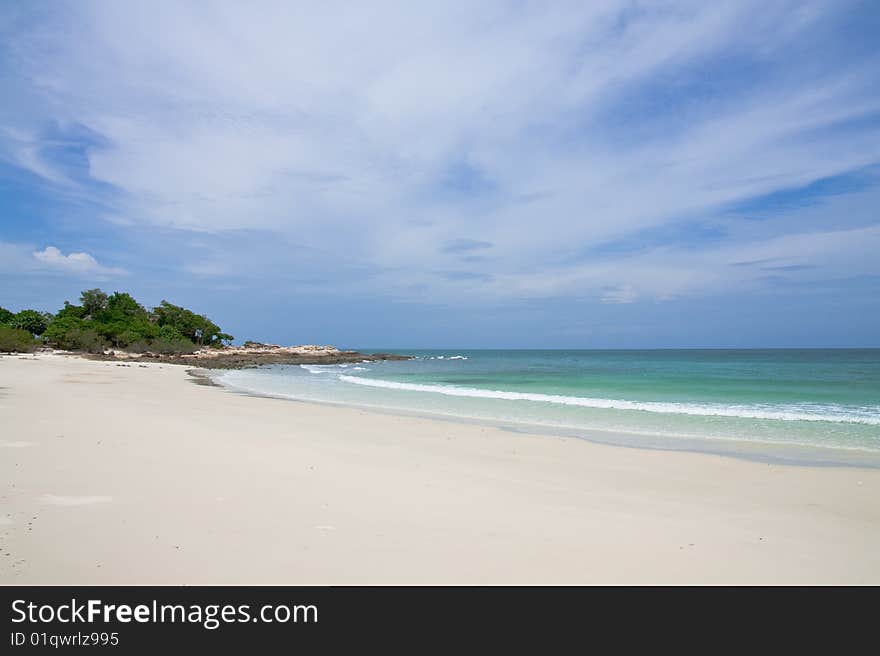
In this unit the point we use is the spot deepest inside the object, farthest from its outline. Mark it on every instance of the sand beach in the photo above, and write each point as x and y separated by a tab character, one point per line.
129	473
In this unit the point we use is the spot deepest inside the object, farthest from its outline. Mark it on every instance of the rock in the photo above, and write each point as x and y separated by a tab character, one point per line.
255	354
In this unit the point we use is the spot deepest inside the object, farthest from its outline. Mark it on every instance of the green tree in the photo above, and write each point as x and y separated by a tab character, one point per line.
195	327
32	321
121	321
61	326
69	310
121	305
169	333
127	330
5	316
74	334
93	301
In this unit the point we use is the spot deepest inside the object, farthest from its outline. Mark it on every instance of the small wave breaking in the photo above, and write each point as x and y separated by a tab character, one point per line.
834	414
322	368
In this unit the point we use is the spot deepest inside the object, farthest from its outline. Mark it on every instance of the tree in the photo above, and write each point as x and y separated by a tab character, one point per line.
169	333
195	327
123	320
32	321
73	334
121	305
69	310
93	301
5	316
60	327
119	320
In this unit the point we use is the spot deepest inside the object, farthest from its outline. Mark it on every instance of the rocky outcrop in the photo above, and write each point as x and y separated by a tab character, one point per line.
255	354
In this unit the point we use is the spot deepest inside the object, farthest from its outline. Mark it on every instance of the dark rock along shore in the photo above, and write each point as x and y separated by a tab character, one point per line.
241	361
244	360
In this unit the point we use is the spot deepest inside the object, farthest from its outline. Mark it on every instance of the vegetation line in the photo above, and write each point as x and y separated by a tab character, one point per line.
104	321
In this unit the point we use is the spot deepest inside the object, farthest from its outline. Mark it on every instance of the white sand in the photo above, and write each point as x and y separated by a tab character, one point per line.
132	474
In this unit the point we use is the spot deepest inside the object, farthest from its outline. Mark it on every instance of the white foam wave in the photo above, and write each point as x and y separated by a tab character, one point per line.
781	413
320	368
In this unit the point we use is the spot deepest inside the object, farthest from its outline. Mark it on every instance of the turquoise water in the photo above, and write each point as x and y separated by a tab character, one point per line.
811	405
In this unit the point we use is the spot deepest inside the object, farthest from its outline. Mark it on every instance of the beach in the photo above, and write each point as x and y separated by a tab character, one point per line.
130	473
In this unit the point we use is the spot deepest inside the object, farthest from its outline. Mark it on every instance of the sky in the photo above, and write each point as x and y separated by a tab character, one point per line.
610	174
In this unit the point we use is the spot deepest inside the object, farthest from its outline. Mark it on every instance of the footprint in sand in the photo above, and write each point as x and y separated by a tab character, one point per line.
74	501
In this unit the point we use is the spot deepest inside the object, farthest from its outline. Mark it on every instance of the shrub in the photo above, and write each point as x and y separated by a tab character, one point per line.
15	340
170	333
173	346
127	331
164	346
73	334
56	332
32	321
85	339
127	337
5	316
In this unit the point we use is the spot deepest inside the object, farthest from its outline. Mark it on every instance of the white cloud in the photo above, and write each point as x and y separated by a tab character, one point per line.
341	127
669	272
74	263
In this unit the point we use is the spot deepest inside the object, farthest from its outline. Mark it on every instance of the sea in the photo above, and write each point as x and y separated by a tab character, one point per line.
805	406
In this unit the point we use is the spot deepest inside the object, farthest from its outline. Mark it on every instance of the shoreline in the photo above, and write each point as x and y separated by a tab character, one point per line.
133	474
765	452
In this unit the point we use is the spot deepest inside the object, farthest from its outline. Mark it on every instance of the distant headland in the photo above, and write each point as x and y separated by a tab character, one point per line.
117	327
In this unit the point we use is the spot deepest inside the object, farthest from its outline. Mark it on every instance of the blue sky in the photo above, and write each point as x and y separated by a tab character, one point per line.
494	174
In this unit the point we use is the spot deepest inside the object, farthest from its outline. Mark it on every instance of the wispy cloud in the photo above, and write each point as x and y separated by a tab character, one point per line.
467	276
620	295
464	245
515	137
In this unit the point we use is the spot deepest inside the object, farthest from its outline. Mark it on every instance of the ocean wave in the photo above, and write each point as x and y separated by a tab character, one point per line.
320	368
835	414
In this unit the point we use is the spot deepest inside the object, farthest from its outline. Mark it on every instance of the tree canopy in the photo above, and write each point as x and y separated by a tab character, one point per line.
118	320
195	327
30	320
93	301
